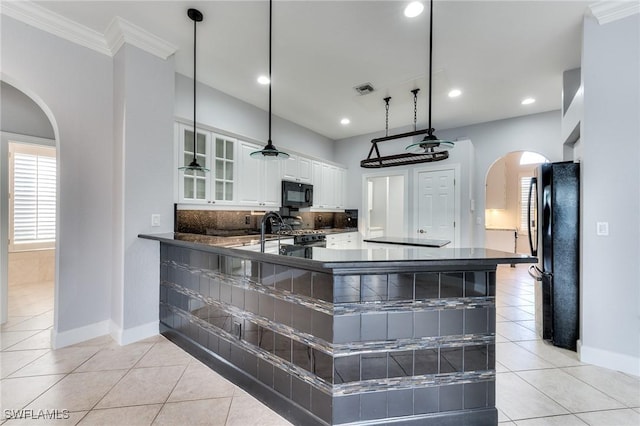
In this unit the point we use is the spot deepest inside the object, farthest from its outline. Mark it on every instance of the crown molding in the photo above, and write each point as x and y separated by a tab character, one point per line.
121	31
609	11
118	33
46	20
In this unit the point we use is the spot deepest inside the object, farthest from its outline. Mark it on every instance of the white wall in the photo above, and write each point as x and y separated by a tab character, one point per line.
221	111
610	149
74	84
21	119
143	185
19	114
537	132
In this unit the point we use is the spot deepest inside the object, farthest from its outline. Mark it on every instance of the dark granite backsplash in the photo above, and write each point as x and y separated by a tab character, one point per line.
204	221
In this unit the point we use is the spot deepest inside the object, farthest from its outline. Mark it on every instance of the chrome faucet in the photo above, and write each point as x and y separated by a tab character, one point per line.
268	216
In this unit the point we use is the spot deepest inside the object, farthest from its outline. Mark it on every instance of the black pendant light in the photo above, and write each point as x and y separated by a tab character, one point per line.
196	16
270	152
430	143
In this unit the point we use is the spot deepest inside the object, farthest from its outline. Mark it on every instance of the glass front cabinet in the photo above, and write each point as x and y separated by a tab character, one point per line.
214	152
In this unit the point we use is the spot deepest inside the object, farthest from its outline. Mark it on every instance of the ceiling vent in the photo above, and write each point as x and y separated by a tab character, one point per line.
364	89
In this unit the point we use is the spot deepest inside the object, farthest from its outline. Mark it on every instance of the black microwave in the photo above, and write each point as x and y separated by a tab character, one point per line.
296	194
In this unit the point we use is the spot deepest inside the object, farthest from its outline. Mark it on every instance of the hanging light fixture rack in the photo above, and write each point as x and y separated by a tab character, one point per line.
270	152
196	16
429	149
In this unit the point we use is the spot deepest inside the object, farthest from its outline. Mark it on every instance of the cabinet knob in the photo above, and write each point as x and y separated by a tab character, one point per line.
422	231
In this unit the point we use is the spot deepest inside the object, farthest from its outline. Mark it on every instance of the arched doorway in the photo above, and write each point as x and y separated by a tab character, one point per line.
28	201
506	195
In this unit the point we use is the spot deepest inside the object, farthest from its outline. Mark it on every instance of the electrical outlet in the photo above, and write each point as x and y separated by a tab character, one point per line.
247	220
155	219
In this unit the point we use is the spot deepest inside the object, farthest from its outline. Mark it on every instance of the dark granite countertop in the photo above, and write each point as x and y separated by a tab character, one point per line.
221	241
402	258
408	241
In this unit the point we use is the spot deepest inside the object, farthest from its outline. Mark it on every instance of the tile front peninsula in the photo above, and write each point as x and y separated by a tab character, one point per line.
345	336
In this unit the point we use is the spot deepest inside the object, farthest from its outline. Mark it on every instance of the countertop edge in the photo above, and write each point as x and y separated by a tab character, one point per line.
350	265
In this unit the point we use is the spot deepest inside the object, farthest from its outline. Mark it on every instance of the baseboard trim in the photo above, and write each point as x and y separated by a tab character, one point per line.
133	334
80	334
607	359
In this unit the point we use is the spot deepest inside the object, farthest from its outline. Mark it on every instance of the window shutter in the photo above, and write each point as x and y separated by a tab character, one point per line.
34	195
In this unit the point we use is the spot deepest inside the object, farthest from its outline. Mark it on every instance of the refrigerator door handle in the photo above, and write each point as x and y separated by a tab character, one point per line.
534	183
536	273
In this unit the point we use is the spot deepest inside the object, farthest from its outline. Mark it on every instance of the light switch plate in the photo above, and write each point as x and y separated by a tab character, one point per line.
155	220
602	229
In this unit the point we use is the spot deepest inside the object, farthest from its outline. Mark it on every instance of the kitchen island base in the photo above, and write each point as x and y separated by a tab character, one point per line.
341	342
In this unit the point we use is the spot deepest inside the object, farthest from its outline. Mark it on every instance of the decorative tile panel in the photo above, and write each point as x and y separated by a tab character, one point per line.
348	348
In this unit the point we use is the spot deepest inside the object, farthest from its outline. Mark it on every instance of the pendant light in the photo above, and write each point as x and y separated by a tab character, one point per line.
196	16
430	143
270	152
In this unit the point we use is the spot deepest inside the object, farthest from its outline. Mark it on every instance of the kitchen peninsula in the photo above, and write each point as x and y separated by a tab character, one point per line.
341	336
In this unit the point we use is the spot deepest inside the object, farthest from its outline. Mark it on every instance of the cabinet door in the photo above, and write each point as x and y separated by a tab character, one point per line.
290	168
194	185
341	190
271	184
318	195
249	175
304	170
223	150
297	169
329	179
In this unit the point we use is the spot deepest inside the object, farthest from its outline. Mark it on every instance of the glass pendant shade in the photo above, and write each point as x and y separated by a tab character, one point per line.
269	153
194	166
430	143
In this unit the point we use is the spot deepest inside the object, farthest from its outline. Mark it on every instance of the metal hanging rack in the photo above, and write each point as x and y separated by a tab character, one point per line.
430	152
429	149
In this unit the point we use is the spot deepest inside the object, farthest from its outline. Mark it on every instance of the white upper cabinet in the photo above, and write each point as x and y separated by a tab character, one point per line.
214	152
235	180
328	186
297	169
249	174
258	181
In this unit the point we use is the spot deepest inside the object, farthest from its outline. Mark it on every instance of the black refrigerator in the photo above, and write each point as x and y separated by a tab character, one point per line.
554	206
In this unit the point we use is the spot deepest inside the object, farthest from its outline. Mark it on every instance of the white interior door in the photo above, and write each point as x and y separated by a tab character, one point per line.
436	205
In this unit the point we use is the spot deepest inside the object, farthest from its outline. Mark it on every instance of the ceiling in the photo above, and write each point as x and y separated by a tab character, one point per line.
496	52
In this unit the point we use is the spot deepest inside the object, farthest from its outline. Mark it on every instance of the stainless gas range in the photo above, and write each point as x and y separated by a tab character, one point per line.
306	237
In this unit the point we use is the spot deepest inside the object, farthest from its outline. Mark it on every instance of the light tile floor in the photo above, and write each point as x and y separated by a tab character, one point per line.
155	382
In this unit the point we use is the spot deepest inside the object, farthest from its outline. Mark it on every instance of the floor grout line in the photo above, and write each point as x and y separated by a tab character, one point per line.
512	295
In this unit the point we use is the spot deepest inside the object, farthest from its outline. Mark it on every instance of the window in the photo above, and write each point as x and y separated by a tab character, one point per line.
32	198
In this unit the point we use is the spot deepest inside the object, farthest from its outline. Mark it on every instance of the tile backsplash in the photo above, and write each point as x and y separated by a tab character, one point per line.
204	221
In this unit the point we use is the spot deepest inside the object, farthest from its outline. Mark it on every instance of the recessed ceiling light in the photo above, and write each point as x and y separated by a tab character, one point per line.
455	93
263	79
345	121
413	9
527	101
